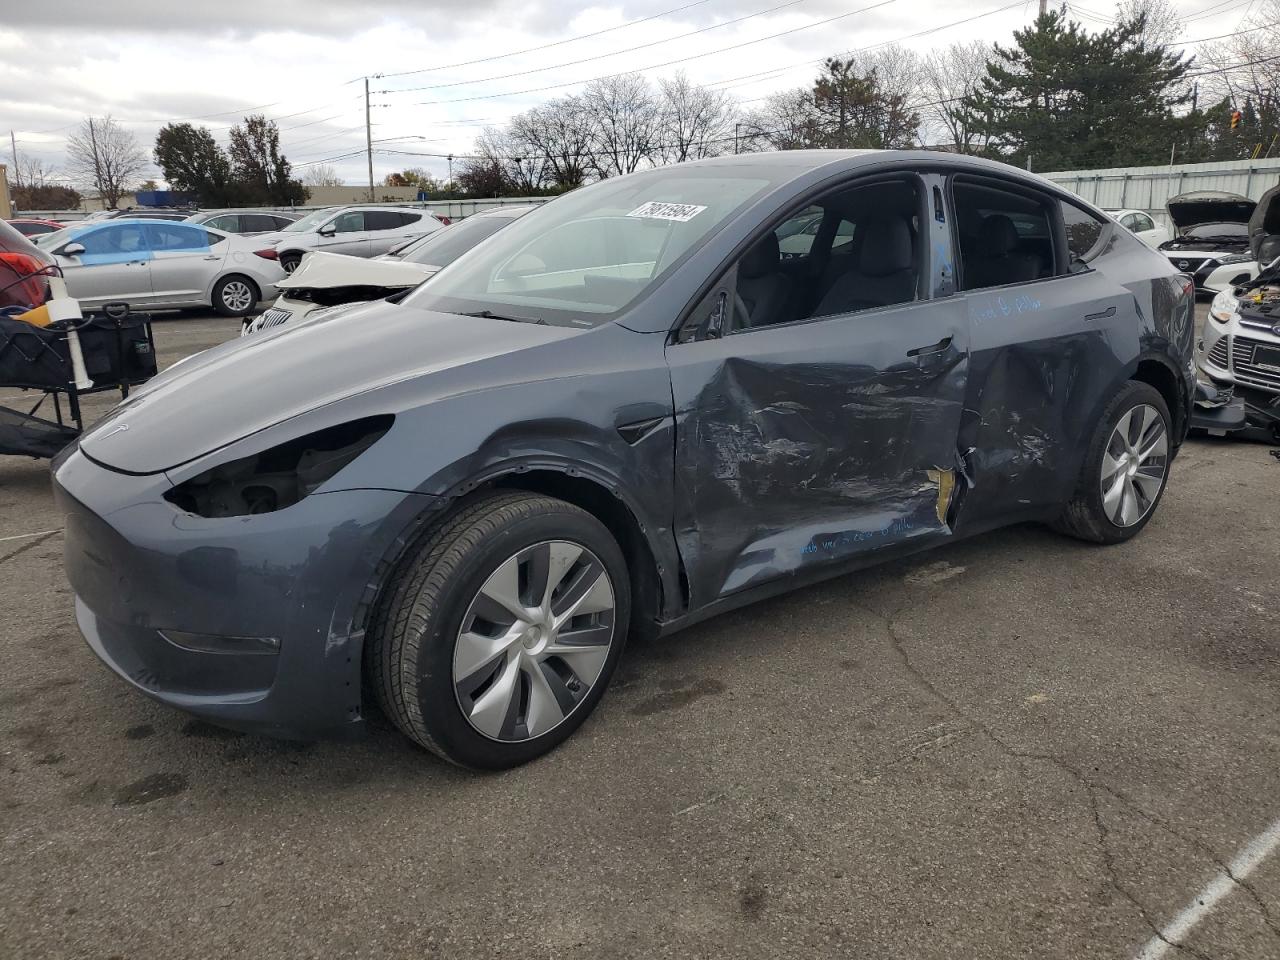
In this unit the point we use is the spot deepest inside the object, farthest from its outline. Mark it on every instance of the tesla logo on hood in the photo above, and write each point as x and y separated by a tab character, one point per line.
123	428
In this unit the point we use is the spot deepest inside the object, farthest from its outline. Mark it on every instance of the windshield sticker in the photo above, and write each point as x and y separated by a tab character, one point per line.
657	210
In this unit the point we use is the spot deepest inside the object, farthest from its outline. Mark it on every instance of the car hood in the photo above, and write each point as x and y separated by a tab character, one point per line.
320	271
251	383
1209	206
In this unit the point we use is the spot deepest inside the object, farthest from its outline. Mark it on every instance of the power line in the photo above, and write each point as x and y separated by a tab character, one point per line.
667	63
548	46
603	56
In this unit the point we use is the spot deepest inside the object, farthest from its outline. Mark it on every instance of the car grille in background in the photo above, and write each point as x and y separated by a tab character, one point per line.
1218	355
1187	264
1242	356
272	318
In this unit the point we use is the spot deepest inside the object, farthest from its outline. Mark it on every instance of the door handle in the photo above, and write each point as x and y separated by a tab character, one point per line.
939	347
211	258
1106	314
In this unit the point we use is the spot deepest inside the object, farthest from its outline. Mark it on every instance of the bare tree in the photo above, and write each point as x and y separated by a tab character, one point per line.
786	121
1162	26
1246	72
695	121
321	175
103	153
626	120
948	76
560	132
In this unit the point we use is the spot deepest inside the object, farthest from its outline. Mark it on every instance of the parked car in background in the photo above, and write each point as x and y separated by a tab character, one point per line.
1142	226
33	228
159	264
624	413
356	231
1211	239
331	279
141	213
1239	345
244	221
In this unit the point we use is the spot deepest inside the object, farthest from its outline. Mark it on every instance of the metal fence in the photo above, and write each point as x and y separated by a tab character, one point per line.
1149	188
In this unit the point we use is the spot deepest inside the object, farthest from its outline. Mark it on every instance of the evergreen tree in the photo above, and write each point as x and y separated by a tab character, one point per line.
1062	98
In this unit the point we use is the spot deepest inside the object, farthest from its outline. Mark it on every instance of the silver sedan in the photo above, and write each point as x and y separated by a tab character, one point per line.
156	264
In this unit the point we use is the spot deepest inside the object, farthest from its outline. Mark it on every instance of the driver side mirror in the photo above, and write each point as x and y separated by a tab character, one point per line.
328	231
72	250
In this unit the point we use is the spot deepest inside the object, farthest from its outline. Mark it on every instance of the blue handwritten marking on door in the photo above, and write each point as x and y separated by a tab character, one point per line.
986	309
833	542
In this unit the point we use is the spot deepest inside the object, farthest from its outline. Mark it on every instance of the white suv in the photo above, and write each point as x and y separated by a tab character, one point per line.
355	231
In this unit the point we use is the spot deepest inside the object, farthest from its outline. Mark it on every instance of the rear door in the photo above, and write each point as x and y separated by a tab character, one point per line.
1047	332
389	228
115	265
185	260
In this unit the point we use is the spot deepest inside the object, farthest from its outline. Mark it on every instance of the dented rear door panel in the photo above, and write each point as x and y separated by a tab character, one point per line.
804	445
1045	358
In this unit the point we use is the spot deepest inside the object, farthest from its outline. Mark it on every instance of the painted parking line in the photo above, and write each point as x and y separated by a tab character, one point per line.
1245	862
28	536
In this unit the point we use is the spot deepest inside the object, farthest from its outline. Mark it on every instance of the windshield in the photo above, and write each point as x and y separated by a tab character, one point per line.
48	241
443	247
1239	230
311	221
582	258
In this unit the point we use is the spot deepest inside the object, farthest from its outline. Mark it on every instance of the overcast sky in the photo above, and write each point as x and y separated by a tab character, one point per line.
300	61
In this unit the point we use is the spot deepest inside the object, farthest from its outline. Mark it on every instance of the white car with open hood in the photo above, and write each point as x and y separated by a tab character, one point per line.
325	280
1211	240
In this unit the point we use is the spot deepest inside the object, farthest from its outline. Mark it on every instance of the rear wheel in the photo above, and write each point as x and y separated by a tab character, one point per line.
235	296
497	636
1125	470
289	261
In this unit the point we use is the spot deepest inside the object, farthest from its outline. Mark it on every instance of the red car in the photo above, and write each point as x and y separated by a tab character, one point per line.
29	227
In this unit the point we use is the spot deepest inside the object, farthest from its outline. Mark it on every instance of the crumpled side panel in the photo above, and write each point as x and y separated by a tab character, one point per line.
785	466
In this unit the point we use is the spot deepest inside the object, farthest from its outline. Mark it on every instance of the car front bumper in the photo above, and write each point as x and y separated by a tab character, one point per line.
142	570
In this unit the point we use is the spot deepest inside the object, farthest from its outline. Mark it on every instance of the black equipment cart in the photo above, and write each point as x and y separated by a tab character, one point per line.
118	350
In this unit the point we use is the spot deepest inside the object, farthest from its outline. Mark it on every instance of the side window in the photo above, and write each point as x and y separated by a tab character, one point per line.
865	260
350	222
213	239
257	223
1004	236
166	237
227	222
1083	230
409	218
1142	223
1129	221
279	223
382	220
796	235
124	239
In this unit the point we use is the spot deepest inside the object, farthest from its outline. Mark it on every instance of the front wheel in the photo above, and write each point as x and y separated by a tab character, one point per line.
497	635
1125	469
235	296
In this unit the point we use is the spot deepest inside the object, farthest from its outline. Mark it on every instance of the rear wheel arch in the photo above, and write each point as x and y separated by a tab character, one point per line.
216	290
1159	372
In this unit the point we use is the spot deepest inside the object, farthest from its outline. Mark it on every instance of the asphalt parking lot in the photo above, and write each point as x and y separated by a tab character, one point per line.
1018	746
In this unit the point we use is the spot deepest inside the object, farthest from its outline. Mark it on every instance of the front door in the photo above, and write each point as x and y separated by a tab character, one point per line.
349	235
814	441
114	265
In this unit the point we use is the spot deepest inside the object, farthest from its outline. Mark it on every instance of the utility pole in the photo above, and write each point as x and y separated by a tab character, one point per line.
368	137
736	127
17	174
450	159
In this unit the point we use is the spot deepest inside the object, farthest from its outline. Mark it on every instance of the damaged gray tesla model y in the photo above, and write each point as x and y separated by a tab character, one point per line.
655	399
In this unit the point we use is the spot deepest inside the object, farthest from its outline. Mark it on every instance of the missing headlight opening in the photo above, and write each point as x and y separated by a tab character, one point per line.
279	477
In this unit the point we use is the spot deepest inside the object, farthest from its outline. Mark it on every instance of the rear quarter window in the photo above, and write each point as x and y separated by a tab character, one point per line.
1084	230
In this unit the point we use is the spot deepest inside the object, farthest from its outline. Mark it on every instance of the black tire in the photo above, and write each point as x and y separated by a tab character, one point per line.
235	306
409	654
289	261
1083	516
